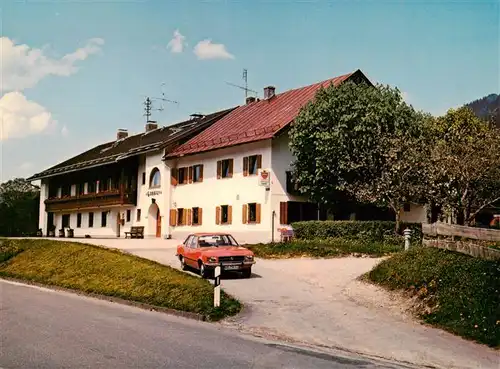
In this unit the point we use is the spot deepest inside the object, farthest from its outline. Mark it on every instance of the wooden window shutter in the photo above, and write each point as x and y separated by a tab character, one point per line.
284	212
257	215
190	175
190	217
201	174
231	167
173	178
173	217
259	161
217	215
184	216
219	169
244	215
200	216
229	214
245	166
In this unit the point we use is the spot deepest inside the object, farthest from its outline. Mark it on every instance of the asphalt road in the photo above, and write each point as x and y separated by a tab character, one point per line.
42	328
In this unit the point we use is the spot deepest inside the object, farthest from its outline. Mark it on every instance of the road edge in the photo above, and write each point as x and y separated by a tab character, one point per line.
118	300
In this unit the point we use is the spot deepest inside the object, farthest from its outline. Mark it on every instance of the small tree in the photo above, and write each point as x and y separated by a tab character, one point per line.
466	164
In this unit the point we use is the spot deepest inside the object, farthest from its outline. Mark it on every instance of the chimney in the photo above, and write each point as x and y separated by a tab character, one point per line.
250	99
121	134
268	92
151	125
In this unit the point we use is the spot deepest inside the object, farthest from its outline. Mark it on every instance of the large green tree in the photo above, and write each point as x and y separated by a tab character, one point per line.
19	204
361	140
465	159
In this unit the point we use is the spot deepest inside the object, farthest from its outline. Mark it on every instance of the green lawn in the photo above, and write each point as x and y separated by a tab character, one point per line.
333	247
107	272
462	292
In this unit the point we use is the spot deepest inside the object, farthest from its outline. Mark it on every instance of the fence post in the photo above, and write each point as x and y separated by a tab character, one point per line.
407	234
217	286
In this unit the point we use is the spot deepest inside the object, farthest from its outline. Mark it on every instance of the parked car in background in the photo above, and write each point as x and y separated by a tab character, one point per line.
205	251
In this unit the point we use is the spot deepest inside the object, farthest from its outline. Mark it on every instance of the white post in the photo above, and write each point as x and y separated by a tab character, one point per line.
407	234
217	286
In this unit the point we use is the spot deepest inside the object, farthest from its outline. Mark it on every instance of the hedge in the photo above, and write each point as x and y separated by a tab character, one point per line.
353	229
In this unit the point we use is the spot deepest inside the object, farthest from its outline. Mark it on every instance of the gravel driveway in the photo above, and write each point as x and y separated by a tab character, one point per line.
319	301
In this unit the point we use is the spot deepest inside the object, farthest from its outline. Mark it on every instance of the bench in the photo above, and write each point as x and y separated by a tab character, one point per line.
135	232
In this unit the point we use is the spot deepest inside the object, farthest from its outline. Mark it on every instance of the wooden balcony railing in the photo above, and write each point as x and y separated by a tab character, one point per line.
92	200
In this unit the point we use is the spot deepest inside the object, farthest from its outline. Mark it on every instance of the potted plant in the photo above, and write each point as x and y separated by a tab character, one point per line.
52	231
70	233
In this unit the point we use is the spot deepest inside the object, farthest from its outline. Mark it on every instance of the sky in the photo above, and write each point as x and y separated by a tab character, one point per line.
74	71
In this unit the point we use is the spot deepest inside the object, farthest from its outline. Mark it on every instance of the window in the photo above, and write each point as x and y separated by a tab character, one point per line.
194	242
180	217
143	178
138	217
216	240
406	207
155	178
251	213
65	221
129	213
91	220
196	216
79	220
223	214
182	175
91	187
225	168
252	164
197	173
187	242
104	218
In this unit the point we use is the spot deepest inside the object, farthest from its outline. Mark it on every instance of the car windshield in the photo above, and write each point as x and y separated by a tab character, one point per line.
216	240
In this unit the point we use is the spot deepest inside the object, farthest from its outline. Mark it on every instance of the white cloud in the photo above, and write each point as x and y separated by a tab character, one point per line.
64	131
207	50
176	44
21	117
23	67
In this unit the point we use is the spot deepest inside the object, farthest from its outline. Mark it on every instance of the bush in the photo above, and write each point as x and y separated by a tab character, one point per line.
353	229
332	247
461	292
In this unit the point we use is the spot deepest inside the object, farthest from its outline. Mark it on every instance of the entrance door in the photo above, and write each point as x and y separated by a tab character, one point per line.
158	224
50	221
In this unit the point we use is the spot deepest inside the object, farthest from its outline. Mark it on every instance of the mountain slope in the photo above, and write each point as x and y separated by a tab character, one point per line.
487	107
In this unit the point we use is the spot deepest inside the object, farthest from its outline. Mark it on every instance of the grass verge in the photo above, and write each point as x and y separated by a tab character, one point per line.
456	292
333	247
101	271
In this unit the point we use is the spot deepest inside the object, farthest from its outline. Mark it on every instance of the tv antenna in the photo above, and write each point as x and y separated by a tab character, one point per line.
148	103
245	88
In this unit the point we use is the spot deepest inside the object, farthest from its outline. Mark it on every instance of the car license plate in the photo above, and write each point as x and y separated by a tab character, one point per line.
232	267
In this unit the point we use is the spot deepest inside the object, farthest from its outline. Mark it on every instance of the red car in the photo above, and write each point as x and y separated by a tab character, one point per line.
205	251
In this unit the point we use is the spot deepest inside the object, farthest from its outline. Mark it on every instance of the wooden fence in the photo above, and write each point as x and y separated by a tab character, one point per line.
466	240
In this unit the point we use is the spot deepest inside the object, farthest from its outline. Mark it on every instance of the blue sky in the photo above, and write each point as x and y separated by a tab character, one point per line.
86	65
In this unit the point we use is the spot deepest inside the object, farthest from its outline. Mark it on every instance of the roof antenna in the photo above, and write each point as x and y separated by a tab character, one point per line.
148	103
247	90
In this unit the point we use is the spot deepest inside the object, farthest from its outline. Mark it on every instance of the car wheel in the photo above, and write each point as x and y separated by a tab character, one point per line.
203	270
247	273
183	263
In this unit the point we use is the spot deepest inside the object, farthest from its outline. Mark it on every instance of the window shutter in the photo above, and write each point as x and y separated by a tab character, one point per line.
190	217
284	212
245	166
259	161
244	216
219	169
231	167
201	174
217	215
173	217
190	175
173	178
229	214
200	216
185	217
257	215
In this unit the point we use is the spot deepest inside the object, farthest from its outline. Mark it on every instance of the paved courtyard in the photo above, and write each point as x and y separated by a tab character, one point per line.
320	302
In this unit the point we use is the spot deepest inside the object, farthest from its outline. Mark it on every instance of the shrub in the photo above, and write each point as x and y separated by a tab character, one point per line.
353	229
462	292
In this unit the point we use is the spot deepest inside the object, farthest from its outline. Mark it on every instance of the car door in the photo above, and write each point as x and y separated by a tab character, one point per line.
191	246
184	248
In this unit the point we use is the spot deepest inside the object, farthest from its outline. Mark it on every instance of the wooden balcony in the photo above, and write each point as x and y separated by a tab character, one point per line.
92	200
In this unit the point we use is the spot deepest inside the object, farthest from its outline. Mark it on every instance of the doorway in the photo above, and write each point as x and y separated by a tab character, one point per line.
154	218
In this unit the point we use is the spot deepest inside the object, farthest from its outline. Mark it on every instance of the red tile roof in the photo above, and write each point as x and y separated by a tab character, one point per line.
256	121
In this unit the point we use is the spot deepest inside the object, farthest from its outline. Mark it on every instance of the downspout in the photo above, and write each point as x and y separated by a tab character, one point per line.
272	226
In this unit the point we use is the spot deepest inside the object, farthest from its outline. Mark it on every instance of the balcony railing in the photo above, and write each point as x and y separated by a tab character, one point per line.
92	200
